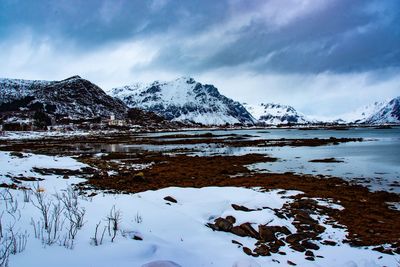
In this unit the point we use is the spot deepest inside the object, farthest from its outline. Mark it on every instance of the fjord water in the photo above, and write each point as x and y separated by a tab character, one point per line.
375	162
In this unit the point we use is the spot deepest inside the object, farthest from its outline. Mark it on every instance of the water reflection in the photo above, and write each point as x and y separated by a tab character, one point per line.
375	163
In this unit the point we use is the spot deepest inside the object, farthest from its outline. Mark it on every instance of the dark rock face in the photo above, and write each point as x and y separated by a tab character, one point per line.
73	97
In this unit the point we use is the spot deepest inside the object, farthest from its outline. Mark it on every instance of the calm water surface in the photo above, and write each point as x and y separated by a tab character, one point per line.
374	162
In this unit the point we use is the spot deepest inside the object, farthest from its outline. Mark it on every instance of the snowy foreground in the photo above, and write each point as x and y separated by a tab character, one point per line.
150	231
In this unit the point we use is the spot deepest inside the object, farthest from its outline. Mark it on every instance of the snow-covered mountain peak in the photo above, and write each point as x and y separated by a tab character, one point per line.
184	99
72	78
273	114
388	112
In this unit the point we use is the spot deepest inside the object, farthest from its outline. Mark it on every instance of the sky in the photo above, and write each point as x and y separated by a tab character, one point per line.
324	57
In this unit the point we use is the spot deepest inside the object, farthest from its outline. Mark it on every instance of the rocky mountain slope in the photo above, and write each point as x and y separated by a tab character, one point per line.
360	115
274	114
389	112
184	100
73	97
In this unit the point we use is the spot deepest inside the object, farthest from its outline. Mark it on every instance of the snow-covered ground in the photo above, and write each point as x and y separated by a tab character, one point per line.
15	135
171	232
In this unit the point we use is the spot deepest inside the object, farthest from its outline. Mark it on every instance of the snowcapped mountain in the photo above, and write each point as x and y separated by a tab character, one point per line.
184	100
389	112
274	114
362	114
73	97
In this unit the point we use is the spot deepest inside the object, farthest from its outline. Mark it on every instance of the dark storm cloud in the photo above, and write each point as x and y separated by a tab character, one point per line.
292	36
96	22
346	36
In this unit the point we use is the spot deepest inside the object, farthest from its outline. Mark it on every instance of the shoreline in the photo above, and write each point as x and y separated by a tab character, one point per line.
368	217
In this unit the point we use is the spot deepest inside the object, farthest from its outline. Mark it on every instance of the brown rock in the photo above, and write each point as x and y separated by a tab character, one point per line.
237	230
309	253
262	250
280	243
266	233
291	263
309	245
329	243
231	219
295	238
241	208
381	249
310	258
223	224
250	231
247	251
274	248
284	230
297	247
319	228
170	199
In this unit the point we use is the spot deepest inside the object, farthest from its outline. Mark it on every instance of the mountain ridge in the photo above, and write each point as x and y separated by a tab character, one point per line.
185	100
275	114
73	97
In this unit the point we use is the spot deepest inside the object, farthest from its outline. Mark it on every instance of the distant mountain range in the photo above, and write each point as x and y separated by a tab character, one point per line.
181	100
385	112
184	100
274	114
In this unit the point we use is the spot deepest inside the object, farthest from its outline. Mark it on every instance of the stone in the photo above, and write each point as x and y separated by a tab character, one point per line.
329	243
309	253
309	245
231	219
250	231
247	251
297	247
241	208
223	224
319	228
16	154
170	199
266	233
237	230
136	237
262	250
291	263
295	238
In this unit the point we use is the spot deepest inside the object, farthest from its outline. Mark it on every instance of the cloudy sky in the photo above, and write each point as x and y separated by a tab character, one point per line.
324	57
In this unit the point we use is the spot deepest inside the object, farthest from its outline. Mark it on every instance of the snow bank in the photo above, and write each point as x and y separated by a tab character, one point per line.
154	232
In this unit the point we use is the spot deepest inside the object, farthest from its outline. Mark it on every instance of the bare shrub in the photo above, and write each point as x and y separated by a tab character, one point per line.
11	241
114	219
55	213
